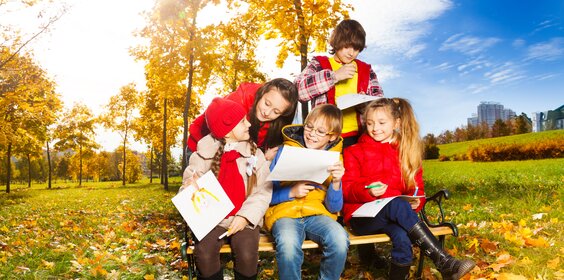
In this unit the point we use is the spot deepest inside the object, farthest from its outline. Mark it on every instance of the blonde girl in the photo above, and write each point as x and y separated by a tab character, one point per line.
389	155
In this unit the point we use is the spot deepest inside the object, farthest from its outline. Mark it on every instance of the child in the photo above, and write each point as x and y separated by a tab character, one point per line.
390	152
268	107
301	210
241	170
326	78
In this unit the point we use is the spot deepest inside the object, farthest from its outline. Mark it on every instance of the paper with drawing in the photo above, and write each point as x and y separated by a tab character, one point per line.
300	164
203	208
353	99
372	208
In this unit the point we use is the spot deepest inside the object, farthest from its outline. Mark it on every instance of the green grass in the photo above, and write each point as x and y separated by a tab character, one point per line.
461	147
106	231
496	202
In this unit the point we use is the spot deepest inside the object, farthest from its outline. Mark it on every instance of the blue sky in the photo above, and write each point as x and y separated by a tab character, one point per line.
444	56
448	56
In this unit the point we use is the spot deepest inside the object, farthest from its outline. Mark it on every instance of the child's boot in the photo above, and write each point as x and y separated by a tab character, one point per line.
448	266
239	276
399	271
217	276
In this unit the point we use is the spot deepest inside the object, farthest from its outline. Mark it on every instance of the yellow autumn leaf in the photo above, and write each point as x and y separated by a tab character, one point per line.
522	222
47	264
553	264
473	244
525	261
513	238
175	245
510	276
538	242
467	207
4	229
149	277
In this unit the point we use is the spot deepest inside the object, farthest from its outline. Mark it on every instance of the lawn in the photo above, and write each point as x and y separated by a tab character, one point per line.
510	217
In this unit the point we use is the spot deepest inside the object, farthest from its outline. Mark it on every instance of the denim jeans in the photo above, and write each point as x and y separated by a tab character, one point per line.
395	220
289	235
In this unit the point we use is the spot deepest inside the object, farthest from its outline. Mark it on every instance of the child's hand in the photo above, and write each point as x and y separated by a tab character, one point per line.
414	203
270	153
337	171
379	191
301	189
346	71
238	224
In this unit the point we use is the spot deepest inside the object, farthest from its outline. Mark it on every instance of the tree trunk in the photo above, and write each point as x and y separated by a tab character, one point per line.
9	170
124	160
189	88
50	169
165	171
80	166
303	46
151	166
28	170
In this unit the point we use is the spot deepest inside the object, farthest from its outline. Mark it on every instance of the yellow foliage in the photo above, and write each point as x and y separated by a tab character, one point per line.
149	277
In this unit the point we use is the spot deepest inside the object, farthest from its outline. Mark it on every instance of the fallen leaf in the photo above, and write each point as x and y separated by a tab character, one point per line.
510	276
47	264
488	246
553	264
149	277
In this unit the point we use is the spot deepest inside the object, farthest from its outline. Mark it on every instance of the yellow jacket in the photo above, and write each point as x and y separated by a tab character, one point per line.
314	202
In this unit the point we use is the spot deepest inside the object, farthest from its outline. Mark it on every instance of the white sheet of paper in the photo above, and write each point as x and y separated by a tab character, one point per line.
372	208
203	209
353	99
301	164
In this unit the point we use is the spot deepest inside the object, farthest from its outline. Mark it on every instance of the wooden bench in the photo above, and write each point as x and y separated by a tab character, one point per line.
439	228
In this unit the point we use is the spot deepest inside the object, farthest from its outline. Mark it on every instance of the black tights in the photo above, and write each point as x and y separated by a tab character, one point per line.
244	247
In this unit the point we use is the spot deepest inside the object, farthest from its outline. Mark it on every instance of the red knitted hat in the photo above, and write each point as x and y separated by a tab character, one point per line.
222	115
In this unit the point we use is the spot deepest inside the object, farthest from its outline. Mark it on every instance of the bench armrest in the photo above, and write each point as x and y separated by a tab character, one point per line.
434	201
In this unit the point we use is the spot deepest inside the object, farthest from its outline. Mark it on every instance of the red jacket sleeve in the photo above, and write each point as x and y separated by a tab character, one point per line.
354	183
421	190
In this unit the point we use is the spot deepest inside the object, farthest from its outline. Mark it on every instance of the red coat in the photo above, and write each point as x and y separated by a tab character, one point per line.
244	95
371	161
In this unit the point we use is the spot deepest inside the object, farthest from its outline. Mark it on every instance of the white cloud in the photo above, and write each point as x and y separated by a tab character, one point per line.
396	27
547	51
469	45
504	74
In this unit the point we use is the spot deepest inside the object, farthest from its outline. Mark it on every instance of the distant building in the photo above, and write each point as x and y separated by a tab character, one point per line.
549	120
489	112
473	121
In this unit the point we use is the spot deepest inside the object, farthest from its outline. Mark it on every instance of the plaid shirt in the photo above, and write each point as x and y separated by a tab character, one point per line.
314	83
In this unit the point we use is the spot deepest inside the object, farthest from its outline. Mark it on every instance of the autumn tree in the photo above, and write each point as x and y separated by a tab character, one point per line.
76	132
120	114
522	124
302	26
28	105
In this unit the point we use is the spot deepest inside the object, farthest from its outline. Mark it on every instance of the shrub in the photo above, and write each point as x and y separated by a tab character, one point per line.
553	148
431	151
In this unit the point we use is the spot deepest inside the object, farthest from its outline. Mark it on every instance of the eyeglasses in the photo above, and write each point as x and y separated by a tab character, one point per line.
318	131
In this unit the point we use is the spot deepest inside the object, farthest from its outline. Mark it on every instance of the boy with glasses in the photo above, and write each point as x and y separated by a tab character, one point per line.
301	210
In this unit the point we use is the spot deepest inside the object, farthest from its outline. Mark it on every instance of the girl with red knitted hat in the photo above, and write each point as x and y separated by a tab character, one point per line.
241	169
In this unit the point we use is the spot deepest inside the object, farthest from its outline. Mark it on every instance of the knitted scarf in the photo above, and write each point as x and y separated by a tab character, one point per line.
231	180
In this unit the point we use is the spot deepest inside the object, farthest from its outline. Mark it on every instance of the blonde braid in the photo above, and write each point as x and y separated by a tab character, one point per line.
217	157
252	182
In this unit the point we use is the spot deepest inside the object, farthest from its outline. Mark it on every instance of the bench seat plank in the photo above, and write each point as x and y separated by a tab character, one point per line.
267	245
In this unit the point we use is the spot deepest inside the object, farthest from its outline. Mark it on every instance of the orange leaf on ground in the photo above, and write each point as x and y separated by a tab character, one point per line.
467	207
488	246
539	242
149	277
